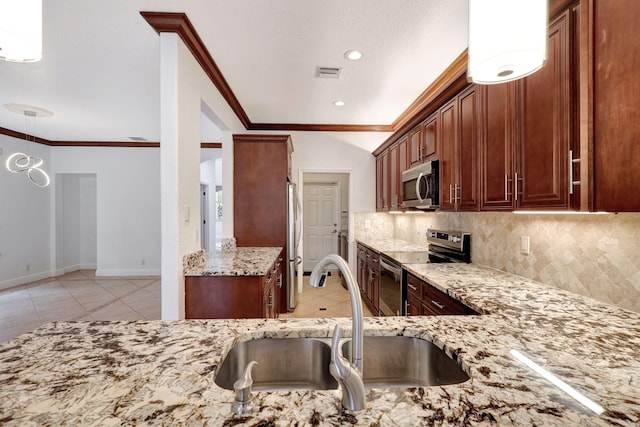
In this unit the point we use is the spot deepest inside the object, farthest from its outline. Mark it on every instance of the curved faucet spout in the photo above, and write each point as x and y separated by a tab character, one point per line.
356	302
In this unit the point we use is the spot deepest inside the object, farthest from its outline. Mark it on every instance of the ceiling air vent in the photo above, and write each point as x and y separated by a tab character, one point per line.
137	138
328	72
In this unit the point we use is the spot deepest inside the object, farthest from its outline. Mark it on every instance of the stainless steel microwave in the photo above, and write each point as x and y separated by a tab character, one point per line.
420	186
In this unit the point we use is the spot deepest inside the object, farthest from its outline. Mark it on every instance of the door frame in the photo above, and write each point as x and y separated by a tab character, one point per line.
350	222
204	216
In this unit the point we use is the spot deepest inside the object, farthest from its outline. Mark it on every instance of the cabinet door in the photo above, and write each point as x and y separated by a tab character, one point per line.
496	147
415	147
469	133
382	181
430	136
448	156
616	92
403	165
394	177
414	306
545	126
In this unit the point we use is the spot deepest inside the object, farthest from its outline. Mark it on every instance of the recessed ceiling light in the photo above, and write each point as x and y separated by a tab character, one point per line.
353	55
338	103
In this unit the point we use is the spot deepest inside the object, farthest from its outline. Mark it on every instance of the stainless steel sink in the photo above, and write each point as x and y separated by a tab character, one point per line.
406	362
283	364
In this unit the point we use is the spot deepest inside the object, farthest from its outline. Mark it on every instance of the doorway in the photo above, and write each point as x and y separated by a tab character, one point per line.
76	222
325	215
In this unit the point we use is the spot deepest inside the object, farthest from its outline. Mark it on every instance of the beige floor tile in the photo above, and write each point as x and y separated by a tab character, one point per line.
116	311
7	333
61	313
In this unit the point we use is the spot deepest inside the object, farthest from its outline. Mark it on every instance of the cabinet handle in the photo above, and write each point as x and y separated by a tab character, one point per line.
571	181
450	194
437	304
457	198
506	189
406	308
412	287
515	188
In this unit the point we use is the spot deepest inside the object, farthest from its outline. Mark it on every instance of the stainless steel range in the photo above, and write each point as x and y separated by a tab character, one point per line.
444	246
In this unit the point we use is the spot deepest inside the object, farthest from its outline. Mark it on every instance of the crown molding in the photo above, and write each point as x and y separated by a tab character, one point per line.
142	144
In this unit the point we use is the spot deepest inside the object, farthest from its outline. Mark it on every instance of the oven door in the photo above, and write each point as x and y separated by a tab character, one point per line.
390	288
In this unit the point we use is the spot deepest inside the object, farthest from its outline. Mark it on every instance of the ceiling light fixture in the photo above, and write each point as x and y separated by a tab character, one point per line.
338	103
507	39
21	162
353	55
21	30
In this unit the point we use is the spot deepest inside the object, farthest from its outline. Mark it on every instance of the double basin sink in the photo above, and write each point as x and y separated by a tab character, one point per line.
303	363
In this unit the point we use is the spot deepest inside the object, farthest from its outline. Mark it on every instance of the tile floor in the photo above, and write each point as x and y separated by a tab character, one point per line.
81	295
330	301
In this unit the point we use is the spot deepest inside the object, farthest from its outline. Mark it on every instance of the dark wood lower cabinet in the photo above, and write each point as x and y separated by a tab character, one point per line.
425	300
234	297
369	277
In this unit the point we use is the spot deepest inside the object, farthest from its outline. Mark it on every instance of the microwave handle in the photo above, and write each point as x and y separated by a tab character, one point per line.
418	187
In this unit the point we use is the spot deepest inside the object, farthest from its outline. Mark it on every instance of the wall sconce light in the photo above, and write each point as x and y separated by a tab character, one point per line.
507	39
21	30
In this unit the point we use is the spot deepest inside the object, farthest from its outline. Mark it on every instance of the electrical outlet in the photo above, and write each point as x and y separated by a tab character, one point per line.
367	224
524	245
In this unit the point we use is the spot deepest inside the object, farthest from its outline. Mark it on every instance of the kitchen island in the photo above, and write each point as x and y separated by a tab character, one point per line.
162	372
234	283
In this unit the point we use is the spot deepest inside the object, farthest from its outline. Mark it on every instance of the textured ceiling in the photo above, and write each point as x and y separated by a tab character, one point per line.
100	75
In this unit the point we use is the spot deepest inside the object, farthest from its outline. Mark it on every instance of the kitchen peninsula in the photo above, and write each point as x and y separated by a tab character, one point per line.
162	372
235	282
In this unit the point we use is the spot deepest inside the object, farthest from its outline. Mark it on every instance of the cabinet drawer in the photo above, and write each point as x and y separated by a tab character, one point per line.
441	303
414	287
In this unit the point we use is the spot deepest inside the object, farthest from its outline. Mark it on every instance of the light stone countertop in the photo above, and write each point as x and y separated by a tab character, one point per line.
392	245
240	261
162	372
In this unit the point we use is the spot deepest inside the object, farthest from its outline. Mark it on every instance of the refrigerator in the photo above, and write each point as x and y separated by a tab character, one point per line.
293	242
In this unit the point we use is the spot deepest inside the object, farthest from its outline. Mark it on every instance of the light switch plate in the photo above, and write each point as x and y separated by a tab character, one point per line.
524	245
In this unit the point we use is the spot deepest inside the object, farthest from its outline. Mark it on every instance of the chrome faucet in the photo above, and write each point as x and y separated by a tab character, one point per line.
347	373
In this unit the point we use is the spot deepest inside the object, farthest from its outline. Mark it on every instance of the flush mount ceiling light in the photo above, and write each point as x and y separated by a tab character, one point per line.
21	162
338	103
507	39
21	30
353	55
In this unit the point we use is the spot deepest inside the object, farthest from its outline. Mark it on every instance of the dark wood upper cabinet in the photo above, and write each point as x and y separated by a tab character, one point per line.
459	131
528	126
496	148
544	126
468	139
430	136
382	181
416	147
448	153
616	109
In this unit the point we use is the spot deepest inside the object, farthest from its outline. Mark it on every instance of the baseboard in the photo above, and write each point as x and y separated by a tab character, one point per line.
26	279
132	272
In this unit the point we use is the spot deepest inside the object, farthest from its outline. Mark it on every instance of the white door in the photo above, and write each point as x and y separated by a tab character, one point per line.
321	221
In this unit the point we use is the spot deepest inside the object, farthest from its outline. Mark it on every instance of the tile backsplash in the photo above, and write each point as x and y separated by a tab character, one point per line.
593	255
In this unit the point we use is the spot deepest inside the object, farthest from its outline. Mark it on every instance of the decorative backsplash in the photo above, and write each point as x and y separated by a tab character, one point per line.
593	255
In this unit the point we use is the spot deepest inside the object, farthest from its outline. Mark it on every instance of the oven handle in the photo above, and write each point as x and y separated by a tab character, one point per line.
391	268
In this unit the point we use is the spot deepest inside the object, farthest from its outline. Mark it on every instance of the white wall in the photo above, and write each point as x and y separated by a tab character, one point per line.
25	212
127	205
88	221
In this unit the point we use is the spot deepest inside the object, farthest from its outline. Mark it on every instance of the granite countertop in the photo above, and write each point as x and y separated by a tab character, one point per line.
240	261
162	372
391	245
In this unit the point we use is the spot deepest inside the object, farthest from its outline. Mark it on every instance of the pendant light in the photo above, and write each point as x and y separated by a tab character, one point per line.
21	30
20	162
507	39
